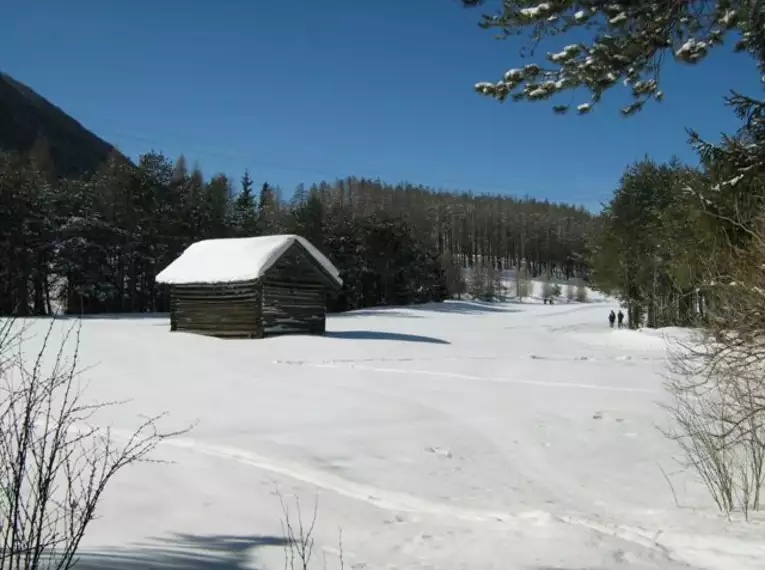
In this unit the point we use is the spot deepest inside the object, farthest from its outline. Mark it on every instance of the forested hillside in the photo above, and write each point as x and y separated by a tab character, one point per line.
94	244
31	123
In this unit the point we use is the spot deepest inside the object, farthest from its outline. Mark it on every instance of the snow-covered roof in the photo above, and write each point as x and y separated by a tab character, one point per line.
230	260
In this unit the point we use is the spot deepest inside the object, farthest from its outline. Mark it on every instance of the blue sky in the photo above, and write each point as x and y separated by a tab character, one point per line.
303	90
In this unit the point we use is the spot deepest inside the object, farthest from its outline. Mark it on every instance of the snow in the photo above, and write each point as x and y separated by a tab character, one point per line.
692	49
235	259
453	435
565	54
727	17
538	92
536	11
514	75
618	19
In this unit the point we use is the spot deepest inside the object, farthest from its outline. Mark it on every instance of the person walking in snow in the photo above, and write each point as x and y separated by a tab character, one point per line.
611	319
620	317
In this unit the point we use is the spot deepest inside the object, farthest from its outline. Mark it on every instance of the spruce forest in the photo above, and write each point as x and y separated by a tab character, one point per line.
94	243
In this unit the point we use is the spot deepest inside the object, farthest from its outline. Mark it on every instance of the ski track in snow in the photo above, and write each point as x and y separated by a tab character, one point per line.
383	499
405	503
542	383
593	512
389	359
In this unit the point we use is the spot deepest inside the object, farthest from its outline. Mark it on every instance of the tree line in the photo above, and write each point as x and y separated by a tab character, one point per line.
678	243
94	244
685	246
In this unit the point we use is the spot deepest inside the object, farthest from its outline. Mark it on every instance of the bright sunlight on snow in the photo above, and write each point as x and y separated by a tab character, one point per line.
235	259
444	436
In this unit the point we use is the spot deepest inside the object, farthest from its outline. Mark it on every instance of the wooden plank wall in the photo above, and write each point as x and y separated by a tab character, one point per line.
294	295
230	310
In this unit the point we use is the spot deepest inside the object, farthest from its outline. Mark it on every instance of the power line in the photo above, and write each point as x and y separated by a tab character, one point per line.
211	152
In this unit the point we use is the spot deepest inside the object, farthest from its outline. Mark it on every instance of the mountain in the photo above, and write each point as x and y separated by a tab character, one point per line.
26	117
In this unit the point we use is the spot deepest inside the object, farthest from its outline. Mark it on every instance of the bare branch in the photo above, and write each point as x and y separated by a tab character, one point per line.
54	466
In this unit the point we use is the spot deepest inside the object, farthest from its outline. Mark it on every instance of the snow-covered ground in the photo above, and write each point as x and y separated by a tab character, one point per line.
455	435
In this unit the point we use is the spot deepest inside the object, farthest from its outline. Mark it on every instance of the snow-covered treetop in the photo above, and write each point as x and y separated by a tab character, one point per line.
233	260
627	42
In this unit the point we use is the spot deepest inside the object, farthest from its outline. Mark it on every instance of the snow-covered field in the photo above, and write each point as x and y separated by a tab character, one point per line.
457	435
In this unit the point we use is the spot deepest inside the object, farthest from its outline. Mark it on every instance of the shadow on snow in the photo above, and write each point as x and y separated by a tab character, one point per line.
379	335
452	306
114	316
466	307
192	552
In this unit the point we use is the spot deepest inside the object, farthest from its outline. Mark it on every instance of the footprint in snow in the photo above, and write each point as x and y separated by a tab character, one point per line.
601	415
439	451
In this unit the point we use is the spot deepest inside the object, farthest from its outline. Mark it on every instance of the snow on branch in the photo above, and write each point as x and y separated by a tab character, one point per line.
627	42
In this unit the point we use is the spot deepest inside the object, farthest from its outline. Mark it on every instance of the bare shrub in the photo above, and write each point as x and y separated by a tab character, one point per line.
54	465
300	541
299	535
717	379
719	420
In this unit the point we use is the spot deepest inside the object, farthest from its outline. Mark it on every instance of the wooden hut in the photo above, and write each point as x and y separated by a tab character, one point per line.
250	287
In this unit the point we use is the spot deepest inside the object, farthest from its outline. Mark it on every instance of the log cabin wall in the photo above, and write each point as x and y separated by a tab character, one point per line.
224	310
294	294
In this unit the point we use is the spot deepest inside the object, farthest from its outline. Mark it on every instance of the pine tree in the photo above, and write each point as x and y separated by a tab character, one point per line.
96	243
180	170
626	44
267	209
307	218
244	214
41	159
217	196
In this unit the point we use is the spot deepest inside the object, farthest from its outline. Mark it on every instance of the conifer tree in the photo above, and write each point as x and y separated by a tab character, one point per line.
244	214
267	209
94	244
626	42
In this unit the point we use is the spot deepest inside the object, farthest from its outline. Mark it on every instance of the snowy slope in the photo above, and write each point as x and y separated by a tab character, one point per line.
536	288
459	435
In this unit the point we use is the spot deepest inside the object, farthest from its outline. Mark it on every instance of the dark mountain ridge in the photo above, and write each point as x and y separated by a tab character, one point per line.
27	118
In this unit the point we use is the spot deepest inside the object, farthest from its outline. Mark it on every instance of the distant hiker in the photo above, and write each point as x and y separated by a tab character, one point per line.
620	316
611	318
